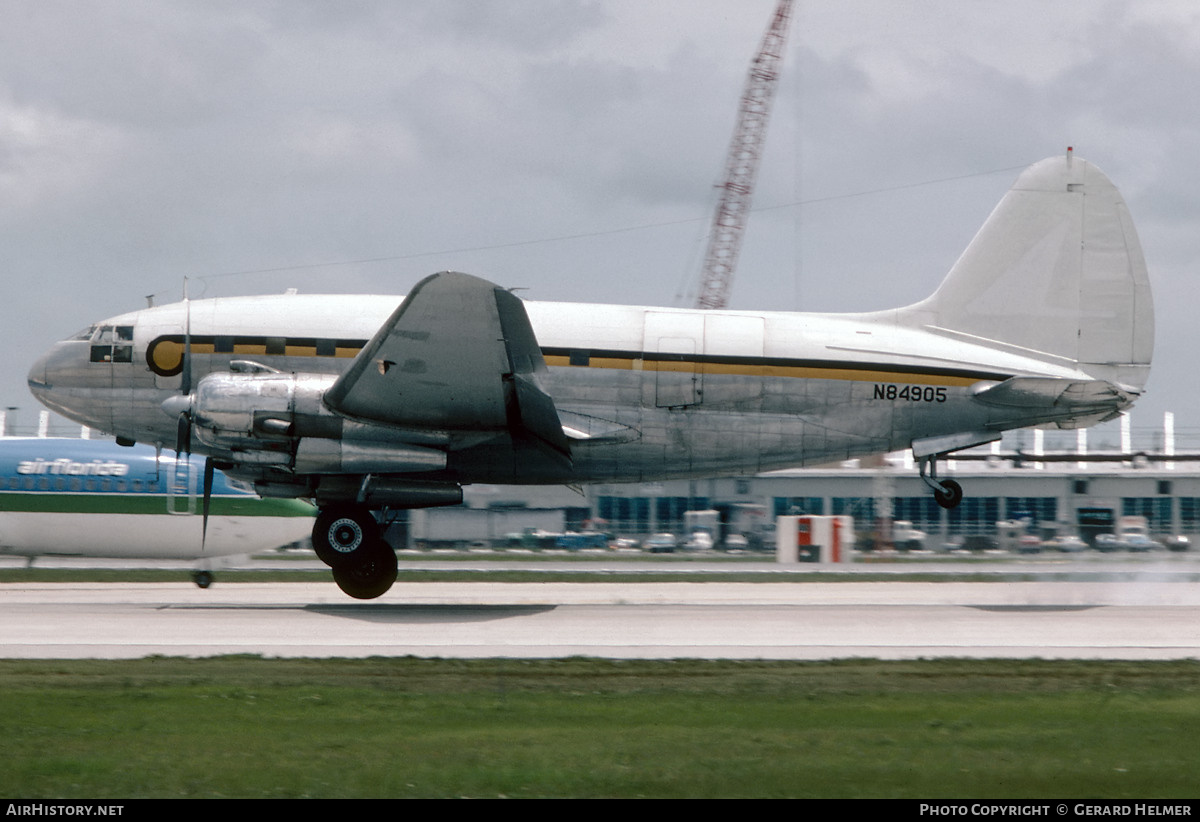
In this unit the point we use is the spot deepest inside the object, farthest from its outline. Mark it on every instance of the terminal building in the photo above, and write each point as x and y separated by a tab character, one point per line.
1071	490
1065	493
1051	499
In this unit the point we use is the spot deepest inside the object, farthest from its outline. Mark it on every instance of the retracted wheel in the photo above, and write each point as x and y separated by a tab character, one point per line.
342	532
950	494
370	574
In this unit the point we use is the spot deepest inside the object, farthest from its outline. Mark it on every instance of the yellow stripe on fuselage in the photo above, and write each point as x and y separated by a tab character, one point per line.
770	370
167	358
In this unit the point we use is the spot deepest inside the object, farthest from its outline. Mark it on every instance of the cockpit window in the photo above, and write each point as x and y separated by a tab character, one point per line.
112	343
85	334
114	333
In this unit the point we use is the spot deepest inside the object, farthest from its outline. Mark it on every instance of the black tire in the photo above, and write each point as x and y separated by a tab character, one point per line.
371	575
343	533
950	495
203	579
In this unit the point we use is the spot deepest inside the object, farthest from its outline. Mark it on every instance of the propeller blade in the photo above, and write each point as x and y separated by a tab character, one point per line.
208	486
183	435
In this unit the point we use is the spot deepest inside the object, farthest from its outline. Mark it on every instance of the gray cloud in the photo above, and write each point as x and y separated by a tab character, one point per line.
141	142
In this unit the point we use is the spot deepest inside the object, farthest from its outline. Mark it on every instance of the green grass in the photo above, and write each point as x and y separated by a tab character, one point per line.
250	727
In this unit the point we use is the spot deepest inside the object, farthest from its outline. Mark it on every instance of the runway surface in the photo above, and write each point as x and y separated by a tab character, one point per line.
888	620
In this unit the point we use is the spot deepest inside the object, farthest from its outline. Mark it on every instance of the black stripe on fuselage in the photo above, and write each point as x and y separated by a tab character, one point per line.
163	357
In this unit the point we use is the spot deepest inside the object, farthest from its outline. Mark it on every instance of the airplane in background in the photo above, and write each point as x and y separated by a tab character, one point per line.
92	498
365	406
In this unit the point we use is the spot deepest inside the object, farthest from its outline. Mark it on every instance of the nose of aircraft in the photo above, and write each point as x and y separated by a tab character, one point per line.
55	375
37	376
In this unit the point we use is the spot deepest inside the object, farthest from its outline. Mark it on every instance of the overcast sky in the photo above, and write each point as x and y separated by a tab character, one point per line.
569	148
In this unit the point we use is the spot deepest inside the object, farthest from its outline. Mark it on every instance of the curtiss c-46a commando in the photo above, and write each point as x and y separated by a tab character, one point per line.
371	403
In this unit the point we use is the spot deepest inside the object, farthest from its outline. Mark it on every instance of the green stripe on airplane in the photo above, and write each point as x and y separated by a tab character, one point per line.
98	503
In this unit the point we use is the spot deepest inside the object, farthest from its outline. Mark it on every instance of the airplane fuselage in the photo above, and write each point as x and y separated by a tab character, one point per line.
89	498
654	392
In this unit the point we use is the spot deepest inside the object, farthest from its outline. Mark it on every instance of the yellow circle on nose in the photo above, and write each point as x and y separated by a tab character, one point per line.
166	356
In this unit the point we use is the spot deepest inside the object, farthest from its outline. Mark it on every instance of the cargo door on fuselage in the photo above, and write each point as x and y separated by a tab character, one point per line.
671	344
704	358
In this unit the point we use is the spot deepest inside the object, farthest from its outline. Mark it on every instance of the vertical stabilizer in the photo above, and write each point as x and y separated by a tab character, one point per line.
1056	272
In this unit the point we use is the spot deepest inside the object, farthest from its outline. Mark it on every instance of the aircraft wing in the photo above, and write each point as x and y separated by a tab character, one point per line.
459	354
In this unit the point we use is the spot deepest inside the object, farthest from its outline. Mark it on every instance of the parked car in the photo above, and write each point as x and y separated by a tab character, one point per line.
1177	543
660	544
736	542
1139	542
907	538
979	542
575	540
1126	542
699	541
1028	544
1067	543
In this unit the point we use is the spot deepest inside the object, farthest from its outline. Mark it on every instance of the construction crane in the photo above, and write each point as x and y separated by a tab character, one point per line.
741	166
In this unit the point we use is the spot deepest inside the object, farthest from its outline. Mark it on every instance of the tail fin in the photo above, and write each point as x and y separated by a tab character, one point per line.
1057	273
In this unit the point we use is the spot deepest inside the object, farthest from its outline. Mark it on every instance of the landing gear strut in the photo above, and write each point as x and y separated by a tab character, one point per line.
348	539
947	493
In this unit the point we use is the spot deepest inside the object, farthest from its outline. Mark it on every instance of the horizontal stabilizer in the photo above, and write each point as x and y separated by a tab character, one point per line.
1074	396
586	427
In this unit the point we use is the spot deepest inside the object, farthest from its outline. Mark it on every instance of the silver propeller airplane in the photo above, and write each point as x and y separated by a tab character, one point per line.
366	406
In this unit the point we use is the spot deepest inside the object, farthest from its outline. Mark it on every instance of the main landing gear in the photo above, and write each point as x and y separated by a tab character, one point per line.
348	539
947	493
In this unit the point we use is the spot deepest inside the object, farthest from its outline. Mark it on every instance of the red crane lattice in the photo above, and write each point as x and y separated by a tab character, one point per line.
737	189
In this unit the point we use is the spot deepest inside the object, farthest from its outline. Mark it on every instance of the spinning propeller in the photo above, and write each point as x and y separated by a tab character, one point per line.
181	405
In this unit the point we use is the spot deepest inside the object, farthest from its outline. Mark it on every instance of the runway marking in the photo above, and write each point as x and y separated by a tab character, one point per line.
1008	609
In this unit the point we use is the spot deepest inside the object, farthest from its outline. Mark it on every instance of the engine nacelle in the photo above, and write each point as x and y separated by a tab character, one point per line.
280	419
237	411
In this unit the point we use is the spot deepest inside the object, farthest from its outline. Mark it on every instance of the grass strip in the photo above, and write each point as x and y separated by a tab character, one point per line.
253	727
